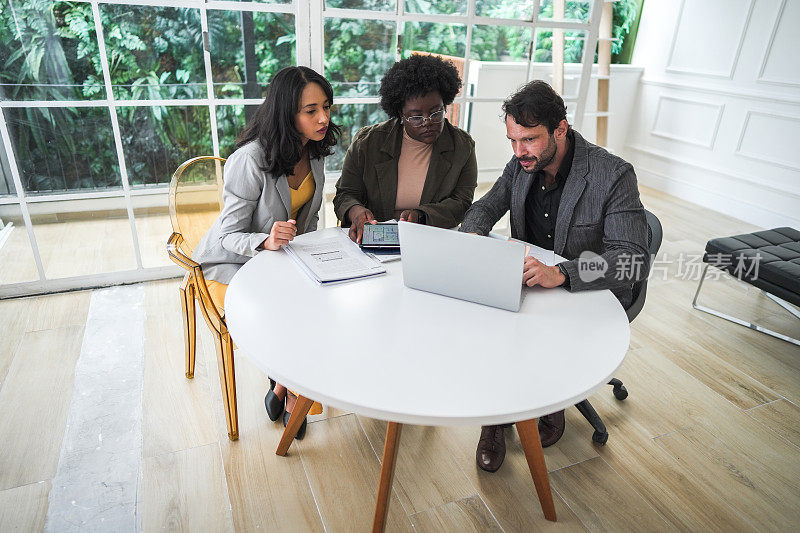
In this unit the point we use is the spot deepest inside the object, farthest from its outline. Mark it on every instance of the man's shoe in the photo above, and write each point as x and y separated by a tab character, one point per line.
272	403
551	427
491	448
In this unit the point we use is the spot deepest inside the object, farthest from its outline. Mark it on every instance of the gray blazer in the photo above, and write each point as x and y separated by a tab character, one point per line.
600	211
253	201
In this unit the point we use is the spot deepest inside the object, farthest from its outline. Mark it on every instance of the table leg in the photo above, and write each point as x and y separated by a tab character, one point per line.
301	408
390	446
528	431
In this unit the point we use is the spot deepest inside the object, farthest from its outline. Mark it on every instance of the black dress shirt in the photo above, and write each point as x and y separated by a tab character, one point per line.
541	204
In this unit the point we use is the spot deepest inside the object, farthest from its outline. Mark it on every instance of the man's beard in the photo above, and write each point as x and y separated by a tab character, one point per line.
545	159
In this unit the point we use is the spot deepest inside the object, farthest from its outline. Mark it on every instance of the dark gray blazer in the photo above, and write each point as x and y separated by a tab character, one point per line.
253	201
600	211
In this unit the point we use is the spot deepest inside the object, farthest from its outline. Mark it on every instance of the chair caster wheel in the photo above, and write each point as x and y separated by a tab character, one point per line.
600	438
620	393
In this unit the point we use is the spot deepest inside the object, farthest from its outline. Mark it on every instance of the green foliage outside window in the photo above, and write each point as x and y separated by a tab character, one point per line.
49	51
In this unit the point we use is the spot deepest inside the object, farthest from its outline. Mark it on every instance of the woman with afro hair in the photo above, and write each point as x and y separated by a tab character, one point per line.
416	166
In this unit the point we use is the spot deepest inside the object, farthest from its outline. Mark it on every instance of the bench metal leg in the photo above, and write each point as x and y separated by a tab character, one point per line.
783	303
741	322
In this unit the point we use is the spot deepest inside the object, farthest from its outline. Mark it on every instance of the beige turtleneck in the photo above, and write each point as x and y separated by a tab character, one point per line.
412	167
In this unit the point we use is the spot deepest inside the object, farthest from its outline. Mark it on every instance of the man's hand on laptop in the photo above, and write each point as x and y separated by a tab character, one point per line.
359	215
534	272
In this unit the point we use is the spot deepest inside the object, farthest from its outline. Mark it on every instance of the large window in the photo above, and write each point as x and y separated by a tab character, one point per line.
101	100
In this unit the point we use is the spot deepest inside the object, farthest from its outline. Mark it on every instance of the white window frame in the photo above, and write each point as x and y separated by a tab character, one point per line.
309	16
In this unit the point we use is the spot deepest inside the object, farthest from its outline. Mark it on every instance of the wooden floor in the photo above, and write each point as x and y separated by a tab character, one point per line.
709	439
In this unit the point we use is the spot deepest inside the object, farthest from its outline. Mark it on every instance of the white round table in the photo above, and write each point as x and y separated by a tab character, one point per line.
380	349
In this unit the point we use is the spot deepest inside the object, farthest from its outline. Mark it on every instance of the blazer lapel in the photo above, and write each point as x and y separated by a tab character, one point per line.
307	211
282	184
573	189
439	165
519	192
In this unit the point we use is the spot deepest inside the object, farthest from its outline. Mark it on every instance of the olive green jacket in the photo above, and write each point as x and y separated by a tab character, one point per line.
369	175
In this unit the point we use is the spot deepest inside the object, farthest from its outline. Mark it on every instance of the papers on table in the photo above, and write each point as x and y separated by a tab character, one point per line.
333	259
384	258
548	257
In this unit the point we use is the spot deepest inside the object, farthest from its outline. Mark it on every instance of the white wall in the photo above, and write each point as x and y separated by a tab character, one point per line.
717	118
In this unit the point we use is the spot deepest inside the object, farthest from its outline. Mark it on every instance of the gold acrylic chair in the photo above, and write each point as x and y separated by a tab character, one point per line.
195	201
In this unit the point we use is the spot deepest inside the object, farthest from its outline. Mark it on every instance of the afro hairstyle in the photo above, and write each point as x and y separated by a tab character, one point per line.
418	75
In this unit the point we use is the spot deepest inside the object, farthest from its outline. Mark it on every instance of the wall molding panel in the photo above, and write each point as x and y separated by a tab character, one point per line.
717	116
726	70
684	119
761	213
725	91
713	169
786	139
780	16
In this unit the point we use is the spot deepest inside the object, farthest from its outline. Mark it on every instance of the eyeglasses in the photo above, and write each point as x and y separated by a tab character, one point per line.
419	120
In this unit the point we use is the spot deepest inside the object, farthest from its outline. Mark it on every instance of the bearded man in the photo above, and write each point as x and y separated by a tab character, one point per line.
568	195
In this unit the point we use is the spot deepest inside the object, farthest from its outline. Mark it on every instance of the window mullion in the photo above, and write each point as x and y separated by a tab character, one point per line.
315	32
589	45
212	107
23	204
112	109
462	119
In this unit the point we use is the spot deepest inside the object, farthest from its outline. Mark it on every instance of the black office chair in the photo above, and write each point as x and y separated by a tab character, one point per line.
654	236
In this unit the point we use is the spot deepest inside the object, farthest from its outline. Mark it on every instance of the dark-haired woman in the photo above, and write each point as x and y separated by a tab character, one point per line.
272	188
416	166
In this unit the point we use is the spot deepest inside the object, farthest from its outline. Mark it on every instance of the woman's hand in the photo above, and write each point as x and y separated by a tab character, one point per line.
281	233
359	215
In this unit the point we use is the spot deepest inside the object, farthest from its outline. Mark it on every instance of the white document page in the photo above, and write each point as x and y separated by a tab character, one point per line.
333	259
548	257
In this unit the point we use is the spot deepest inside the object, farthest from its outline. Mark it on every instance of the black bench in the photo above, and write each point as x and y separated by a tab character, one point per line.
768	260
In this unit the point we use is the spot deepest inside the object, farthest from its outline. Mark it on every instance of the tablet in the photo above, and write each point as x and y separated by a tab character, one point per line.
382	236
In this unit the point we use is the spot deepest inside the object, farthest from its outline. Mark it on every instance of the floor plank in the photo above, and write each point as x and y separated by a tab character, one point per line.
425	475
663	399
35	398
603	500
762	487
657	332
60	310
185	491
343	471
509	493
17	264
177	412
683	500
14	316
782	417
24	508
469	514
772	362
267	492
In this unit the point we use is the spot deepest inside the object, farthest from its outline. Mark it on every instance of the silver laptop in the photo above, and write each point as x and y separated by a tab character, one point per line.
469	267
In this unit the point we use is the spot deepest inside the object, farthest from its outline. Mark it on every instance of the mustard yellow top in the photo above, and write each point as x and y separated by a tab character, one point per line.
302	194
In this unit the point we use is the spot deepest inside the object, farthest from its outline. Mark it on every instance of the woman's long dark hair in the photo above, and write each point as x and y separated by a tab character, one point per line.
273	123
